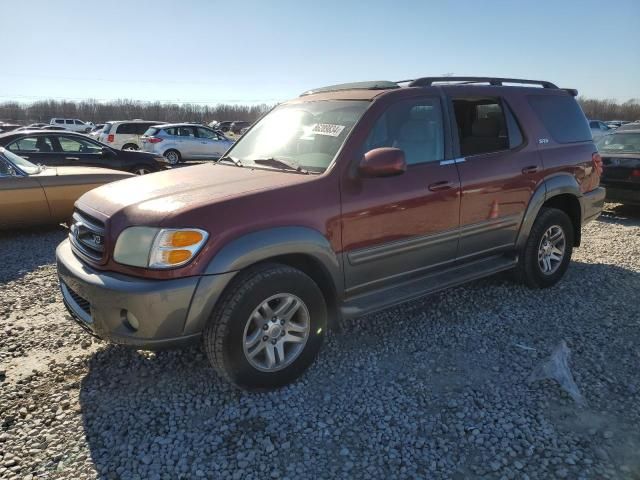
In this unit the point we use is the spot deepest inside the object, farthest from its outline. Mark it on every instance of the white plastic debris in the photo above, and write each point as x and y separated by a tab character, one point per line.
556	367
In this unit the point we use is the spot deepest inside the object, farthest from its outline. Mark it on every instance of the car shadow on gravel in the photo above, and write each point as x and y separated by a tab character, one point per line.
167	413
25	250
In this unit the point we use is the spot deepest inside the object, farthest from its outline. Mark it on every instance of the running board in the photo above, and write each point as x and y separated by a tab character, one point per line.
386	297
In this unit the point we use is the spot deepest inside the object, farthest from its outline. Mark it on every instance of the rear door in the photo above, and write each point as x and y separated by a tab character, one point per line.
499	171
38	149
188	144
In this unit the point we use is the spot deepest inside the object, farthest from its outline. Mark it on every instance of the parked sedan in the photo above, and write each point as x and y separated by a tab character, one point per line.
36	195
178	142
620	153
55	148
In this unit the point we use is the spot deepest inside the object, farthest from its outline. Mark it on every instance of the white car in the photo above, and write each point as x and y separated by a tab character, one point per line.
72	124
125	134
598	128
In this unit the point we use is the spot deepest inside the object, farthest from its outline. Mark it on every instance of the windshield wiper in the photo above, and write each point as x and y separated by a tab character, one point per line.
233	160
274	162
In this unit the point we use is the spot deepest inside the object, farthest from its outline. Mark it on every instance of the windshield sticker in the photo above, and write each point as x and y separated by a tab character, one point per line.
327	129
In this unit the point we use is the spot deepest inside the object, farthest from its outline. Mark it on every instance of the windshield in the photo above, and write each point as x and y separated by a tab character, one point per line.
20	162
306	135
620	142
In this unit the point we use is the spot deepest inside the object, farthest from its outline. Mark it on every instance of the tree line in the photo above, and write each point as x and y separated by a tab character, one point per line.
100	112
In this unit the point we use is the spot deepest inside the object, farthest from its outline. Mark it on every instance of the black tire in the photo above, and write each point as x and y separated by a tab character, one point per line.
173	157
528	270
131	146
143	169
224	334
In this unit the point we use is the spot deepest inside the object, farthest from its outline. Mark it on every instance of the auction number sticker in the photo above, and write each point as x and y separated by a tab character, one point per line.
327	129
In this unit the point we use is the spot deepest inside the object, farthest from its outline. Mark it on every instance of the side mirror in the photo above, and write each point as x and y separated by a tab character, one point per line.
383	162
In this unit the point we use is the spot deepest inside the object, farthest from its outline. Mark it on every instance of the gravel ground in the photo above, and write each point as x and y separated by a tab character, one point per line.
436	388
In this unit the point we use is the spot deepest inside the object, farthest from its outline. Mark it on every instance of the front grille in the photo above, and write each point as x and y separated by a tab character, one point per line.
87	235
80	301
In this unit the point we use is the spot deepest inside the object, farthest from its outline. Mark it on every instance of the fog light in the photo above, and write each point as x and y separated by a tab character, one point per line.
130	320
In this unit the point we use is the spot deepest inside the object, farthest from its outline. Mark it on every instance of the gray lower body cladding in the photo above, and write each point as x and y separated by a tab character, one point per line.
167	313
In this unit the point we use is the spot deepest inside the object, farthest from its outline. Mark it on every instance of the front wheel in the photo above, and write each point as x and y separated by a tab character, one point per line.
143	169
268	327
547	253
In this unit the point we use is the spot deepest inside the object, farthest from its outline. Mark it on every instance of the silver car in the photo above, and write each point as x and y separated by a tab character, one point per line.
178	142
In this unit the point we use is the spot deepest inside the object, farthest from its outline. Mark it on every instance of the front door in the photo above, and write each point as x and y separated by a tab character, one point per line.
77	151
499	172
399	227
22	198
209	145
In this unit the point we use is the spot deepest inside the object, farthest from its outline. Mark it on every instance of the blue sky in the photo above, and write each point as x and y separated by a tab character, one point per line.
268	51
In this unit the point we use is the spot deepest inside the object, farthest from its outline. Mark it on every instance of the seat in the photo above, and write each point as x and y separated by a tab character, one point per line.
485	137
418	137
42	145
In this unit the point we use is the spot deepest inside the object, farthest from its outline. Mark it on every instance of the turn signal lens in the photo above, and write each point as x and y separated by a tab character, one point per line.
181	238
175	247
173	257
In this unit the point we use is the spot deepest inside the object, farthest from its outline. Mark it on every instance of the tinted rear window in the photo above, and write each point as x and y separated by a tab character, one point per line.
562	116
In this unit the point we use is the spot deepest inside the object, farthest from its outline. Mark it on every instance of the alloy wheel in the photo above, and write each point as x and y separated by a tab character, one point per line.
551	249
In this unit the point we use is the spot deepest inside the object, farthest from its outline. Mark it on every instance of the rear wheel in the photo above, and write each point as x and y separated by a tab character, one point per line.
172	156
131	146
547	253
267	328
143	169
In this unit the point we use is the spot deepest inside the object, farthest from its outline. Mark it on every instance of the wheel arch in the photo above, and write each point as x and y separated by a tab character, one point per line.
560	191
299	247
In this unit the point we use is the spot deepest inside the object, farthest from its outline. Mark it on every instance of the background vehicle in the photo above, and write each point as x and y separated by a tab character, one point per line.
184	141
125	135
224	126
35	195
97	130
336	204
8	127
236	127
629	126
598	128
620	153
72	124
54	148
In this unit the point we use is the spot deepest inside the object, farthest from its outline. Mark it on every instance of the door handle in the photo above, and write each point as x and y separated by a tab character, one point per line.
72	158
443	185
530	169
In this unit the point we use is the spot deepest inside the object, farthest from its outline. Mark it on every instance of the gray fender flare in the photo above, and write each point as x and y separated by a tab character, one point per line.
557	185
255	247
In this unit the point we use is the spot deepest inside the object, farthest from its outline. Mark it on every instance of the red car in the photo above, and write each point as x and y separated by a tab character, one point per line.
346	200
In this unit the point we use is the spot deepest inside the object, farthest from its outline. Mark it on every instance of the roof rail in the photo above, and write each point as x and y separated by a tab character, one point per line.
375	85
428	81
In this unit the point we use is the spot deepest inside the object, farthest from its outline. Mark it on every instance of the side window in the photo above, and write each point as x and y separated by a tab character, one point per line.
594	124
78	122
32	145
414	126
171	131
562	117
123	128
59	121
482	125
204	133
69	122
77	145
140	128
4	169
185	132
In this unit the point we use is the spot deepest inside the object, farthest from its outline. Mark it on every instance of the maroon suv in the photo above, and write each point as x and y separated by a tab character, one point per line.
338	203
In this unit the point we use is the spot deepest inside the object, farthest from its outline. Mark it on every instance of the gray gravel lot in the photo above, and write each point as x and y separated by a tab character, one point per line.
432	389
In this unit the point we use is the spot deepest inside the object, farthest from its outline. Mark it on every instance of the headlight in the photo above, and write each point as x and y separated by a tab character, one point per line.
158	248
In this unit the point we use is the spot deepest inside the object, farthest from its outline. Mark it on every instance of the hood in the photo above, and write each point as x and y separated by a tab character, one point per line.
150	198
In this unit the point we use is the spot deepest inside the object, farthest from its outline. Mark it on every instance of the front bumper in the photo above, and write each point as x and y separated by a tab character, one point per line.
592	203
629	196
170	313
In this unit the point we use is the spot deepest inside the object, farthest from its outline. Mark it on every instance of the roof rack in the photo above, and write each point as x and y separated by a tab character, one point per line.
428	81
375	85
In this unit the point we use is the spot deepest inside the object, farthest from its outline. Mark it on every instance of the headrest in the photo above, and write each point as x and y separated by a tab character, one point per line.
485	127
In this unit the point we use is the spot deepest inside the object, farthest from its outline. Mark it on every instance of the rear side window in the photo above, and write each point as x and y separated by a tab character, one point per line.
150	132
59	120
562	117
69	122
125	128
